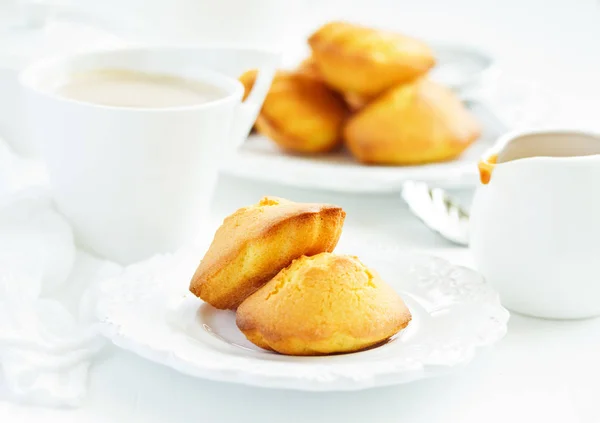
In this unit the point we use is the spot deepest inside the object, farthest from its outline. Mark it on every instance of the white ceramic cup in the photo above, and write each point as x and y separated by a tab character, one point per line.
138	181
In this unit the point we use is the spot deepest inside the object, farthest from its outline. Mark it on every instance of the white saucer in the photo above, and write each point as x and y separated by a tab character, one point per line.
149	311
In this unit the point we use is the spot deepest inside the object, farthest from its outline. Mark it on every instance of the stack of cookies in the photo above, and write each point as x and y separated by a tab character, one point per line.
366	89
273	263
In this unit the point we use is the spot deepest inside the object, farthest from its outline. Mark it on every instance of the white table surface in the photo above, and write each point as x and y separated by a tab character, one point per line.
542	371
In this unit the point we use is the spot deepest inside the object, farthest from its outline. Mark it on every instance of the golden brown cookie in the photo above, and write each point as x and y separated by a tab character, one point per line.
360	60
323	304
415	123
302	115
256	242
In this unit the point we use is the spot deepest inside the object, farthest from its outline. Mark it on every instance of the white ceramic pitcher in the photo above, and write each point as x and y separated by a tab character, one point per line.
535	223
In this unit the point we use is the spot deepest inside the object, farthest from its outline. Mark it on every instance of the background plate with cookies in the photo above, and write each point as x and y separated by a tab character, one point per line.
367	109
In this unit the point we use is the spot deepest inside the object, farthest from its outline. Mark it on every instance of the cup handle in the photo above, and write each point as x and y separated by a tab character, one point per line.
247	111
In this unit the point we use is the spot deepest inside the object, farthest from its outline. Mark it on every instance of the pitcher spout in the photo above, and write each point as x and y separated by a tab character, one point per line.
560	146
486	167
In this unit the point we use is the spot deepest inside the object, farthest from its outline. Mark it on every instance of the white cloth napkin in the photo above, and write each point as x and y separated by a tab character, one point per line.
45	348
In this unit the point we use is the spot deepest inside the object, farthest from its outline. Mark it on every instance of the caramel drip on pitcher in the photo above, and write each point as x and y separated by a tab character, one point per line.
486	167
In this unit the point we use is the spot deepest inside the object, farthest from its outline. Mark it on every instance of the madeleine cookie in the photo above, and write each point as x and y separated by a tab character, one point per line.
301	114
359	60
323	304
415	123
256	242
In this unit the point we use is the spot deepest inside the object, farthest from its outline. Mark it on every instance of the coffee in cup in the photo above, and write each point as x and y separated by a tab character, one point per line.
131	88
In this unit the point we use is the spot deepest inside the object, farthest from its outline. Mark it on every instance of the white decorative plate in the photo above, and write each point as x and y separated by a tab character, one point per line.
260	159
149	311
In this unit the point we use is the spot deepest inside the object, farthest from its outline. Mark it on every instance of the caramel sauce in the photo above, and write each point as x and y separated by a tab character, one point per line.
486	168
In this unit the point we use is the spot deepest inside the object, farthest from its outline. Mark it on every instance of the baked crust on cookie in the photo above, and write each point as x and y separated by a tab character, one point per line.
256	242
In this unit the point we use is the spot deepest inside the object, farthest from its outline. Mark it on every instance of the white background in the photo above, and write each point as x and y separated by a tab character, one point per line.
543	371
